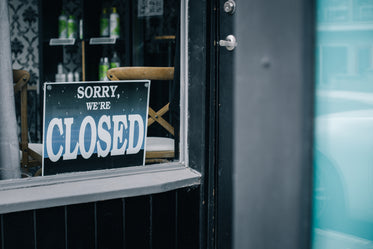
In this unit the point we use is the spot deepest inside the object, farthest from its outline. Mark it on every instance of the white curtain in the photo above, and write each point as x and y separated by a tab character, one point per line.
9	148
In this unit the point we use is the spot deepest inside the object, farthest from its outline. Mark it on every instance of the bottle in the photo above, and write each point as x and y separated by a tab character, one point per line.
70	77
71	27
62	25
81	29
104	23
76	76
114	23
60	76
115	61
100	65
103	68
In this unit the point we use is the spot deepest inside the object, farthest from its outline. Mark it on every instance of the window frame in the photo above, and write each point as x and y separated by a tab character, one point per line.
98	185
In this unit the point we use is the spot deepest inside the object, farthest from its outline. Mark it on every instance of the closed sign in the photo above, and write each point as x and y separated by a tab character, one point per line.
94	125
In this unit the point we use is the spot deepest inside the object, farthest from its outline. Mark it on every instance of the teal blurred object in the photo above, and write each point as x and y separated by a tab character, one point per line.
343	147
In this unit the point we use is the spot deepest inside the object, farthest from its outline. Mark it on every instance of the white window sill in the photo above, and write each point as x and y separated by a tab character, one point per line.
73	188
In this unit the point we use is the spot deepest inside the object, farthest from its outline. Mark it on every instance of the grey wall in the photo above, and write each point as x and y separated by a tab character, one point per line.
273	91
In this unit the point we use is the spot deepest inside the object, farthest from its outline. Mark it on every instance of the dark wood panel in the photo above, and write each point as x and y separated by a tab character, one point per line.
109	217
81	226
50	228
188	218
18	230
164	220
137	226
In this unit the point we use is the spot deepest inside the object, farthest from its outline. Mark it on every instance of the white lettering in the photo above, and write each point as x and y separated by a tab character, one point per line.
113	88
104	135
87	120
105	91
105	105
89	105
54	122
80	92
88	92
135	119
92	106
115	135
98	105
96	92
69	155
118	134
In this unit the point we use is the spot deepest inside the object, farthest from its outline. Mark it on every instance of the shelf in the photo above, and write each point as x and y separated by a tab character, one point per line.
92	41
61	41
102	40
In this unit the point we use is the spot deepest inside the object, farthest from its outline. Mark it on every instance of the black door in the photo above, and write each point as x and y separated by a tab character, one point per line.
225	53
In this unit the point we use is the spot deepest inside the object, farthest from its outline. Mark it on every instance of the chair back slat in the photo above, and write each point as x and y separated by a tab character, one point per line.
141	73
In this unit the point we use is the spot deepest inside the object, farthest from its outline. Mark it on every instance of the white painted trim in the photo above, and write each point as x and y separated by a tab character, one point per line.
184	82
73	188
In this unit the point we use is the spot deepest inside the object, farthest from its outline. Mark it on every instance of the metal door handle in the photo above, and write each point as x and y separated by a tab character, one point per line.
229	43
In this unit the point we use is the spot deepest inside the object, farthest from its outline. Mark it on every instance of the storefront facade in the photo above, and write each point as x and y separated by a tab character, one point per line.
249	156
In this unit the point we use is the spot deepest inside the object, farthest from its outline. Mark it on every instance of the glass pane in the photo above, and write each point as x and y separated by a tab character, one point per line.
105	34
155	26
343	159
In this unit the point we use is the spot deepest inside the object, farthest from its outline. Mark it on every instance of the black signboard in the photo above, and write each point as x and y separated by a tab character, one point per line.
94	125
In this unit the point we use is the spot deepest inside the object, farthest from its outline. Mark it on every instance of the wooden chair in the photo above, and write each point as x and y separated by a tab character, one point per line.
158	149
30	153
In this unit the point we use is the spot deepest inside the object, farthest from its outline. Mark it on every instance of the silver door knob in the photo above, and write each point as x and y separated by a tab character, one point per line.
229	43
230	6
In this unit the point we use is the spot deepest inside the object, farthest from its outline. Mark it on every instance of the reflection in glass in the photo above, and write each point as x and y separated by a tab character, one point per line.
343	158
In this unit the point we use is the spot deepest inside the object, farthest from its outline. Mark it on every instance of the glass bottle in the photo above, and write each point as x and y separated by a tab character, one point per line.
62	25
114	23
115	61
71	27
104	23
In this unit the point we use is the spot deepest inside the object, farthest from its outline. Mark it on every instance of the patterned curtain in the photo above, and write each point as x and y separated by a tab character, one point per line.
24	37
9	148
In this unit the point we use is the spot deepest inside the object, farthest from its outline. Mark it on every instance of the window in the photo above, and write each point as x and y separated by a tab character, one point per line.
70	188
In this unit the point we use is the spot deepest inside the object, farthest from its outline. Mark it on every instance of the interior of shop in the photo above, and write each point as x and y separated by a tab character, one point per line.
80	40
